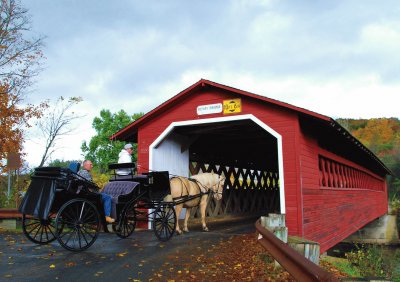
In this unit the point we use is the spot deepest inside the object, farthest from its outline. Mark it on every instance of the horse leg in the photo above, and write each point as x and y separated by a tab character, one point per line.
178	209
187	215
203	205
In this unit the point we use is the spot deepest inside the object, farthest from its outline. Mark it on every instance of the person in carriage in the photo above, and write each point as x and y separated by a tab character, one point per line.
125	156
87	166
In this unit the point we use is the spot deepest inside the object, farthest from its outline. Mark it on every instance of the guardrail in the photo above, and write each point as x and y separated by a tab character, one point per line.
10	214
297	265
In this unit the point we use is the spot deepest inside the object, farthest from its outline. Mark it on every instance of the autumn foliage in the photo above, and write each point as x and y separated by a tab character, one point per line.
381	136
13	120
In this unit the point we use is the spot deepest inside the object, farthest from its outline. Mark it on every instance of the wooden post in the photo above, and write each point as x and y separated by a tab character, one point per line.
13	163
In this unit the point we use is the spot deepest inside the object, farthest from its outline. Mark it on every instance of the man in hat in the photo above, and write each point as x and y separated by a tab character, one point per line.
125	156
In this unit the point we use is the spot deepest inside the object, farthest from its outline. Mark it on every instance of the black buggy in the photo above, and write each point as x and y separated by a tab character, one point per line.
61	205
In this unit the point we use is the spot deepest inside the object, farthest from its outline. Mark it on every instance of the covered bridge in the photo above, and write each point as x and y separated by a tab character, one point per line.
276	158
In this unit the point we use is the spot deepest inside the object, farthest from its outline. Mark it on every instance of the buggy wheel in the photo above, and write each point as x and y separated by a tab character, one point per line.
39	231
78	225
127	224
164	222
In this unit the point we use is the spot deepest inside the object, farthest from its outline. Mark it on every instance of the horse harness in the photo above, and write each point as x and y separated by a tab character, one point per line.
213	189
188	197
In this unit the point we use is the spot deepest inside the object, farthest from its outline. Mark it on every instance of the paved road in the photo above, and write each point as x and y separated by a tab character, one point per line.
109	258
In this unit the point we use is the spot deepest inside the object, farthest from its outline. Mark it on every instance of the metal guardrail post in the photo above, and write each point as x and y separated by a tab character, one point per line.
297	265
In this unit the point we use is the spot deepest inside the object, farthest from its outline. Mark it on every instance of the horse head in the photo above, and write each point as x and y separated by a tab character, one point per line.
218	187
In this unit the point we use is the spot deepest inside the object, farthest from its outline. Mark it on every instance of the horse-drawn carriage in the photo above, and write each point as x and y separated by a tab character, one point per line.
61	205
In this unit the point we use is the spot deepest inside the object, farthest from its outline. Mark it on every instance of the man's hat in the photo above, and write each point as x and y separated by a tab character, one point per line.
128	146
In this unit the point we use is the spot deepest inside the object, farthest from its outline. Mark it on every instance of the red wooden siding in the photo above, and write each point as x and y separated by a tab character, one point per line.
331	212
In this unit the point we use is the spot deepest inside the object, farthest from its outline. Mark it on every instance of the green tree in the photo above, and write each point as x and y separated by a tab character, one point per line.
101	150
62	163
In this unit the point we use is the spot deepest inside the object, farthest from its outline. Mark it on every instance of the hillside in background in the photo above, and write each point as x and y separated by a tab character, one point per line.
382	137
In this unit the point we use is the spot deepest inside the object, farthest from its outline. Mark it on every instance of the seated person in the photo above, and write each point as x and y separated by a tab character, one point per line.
106	199
125	157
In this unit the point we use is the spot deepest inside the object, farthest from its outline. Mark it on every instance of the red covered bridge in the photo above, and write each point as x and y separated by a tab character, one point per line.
276	158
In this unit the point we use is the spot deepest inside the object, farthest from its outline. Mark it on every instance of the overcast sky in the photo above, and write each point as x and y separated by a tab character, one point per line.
338	58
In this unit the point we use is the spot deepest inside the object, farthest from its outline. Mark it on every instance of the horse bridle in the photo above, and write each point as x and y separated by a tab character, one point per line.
215	191
214	188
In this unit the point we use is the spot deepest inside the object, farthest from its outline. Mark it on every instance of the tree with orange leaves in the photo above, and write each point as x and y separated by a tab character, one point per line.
13	120
20	59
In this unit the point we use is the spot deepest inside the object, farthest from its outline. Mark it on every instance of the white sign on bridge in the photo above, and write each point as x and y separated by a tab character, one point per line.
209	109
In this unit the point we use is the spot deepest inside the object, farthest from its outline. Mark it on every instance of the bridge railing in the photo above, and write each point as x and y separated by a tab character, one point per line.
293	262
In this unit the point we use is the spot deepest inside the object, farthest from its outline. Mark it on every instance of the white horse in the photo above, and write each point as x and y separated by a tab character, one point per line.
196	190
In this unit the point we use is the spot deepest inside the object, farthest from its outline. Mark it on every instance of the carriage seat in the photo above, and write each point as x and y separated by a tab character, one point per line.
74	167
121	192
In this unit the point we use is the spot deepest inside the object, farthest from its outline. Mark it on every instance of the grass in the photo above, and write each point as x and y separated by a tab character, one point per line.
343	265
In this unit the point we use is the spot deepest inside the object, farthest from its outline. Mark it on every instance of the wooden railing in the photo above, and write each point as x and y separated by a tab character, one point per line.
296	264
9	214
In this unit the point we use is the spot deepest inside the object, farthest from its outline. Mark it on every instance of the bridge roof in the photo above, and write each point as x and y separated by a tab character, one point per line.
129	133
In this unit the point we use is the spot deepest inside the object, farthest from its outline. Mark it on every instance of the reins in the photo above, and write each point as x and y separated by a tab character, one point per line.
199	184
152	170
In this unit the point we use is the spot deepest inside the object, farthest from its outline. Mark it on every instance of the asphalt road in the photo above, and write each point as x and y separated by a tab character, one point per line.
110	258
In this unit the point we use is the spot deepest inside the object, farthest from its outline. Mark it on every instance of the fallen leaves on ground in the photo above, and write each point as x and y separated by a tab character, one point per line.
241	258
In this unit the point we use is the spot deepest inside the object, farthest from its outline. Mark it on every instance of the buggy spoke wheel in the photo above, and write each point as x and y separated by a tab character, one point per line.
78	225
39	231
164	222
125	227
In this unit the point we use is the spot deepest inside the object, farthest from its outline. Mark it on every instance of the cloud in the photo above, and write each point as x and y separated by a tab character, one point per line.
353	97
338	58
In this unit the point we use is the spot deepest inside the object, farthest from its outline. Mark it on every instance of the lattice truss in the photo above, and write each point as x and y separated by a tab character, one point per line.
246	191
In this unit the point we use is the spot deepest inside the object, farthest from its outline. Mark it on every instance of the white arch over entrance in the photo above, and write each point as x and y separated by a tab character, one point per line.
170	128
